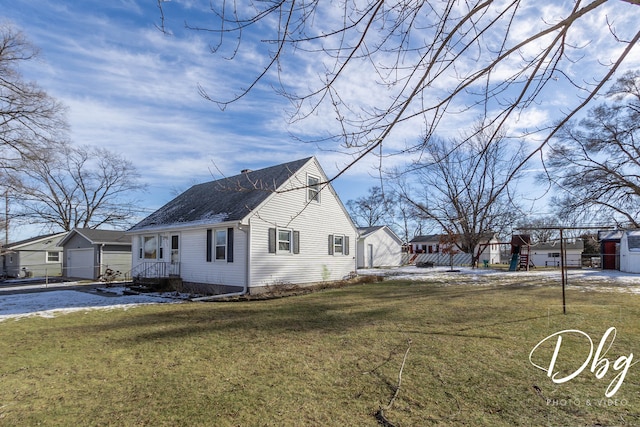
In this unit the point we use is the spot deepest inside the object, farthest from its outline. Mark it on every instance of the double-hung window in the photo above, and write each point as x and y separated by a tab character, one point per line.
219	245
313	188
284	241
53	256
338	244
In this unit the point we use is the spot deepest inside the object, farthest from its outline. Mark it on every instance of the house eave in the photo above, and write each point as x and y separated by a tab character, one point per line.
193	225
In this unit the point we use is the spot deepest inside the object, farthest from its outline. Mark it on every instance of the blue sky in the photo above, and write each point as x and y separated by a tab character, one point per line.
134	90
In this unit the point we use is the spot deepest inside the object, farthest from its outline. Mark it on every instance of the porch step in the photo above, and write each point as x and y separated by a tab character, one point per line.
170	283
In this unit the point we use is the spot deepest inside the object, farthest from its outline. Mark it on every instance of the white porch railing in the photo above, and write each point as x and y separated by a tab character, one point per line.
156	269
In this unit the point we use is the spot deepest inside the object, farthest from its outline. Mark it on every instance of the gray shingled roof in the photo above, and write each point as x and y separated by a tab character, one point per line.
226	199
30	240
95	236
363	231
545	246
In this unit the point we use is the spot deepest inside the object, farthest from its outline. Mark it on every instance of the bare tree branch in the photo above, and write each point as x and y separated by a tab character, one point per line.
78	188
426	63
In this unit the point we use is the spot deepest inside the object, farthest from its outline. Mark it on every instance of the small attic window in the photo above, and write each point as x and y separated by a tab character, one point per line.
313	188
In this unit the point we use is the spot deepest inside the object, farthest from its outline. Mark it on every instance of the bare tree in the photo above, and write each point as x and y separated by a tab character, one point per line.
595	165
382	66
373	209
30	120
78	187
409	222
464	189
540	229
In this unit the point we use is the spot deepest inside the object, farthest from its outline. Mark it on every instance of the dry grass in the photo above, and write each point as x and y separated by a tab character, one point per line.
322	359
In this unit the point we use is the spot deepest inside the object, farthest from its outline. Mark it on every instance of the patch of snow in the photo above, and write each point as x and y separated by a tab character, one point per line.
586	279
52	303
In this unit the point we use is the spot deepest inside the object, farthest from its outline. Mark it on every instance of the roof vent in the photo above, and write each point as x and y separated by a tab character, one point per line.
246	171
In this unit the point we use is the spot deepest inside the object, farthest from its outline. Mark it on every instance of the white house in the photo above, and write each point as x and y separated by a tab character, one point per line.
630	251
275	226
428	249
547	254
378	246
37	256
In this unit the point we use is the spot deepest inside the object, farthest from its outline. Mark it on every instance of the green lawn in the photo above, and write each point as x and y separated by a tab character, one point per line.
330	358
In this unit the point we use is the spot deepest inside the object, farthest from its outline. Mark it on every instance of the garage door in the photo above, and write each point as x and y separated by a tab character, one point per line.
80	263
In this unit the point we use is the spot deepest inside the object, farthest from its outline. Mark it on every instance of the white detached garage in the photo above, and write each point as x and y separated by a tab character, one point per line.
88	252
378	246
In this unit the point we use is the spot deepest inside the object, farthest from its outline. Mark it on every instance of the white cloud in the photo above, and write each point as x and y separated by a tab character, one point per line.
133	89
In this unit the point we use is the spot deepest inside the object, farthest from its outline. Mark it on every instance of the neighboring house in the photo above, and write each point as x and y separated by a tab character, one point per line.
378	247
275	226
630	251
428	249
38	256
547	254
89	252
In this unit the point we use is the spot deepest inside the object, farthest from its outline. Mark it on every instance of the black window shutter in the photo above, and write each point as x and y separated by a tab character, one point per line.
209	243
330	244
229	244
272	240
296	242
346	245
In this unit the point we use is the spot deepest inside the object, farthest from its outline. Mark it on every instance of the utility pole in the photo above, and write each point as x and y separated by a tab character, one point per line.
6	216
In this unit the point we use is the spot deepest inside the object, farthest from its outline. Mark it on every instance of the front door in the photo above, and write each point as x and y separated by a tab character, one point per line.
175	255
609	255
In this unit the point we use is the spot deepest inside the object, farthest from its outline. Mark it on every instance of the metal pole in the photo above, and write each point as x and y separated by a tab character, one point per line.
563	272
6	216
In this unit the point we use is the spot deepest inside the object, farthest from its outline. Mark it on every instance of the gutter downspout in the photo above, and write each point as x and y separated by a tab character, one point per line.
245	229
100	254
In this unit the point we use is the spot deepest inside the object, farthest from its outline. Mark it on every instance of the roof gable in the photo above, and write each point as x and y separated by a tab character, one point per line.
32	240
96	236
365	232
226	199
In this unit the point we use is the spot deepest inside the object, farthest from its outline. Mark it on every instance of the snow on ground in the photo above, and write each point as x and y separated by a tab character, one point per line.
584	279
49	303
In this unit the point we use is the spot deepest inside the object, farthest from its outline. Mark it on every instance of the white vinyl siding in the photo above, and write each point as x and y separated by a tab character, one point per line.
194	267
291	210
385	250
305	229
